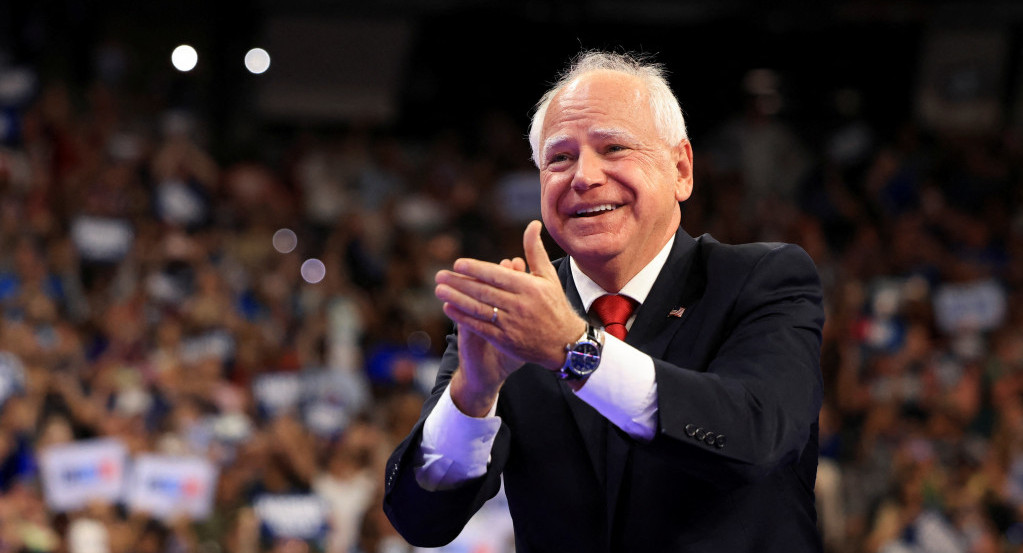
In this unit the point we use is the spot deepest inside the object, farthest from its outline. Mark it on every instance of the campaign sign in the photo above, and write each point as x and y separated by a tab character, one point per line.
325	419
337	387
168	486
977	306
298	516
102	239
77	473
277	392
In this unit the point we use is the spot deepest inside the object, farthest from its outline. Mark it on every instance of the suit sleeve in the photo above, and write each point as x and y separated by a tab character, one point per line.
434	518
755	406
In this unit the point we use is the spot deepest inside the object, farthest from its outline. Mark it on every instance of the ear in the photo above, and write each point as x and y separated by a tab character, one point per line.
683	157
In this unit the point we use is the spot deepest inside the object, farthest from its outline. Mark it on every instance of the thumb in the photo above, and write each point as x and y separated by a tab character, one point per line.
536	255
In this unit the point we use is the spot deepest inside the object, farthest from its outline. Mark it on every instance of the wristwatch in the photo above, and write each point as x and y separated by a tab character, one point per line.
583	356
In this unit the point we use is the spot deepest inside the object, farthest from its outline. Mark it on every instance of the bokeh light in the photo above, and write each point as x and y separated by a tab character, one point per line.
313	270
184	58
419	341
285	240
257	60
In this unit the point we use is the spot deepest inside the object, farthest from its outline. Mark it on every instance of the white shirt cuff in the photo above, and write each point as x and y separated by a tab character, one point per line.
455	447
624	389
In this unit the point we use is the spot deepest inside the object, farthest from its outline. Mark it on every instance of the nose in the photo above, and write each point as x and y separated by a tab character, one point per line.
589	170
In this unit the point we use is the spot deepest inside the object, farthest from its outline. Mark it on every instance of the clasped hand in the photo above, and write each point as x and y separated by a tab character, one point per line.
533	320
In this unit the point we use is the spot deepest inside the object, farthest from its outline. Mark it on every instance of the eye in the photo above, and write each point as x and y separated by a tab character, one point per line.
559	159
614	148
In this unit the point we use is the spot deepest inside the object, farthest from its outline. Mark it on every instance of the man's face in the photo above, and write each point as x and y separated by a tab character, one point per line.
609	184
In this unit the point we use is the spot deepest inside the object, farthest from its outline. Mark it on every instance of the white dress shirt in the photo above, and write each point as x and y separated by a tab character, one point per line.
456	447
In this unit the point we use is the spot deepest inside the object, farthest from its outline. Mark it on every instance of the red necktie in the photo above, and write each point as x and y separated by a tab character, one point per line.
614	311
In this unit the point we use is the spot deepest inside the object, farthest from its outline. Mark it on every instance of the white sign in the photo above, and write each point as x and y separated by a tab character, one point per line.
77	473
325	419
167	486
336	387
101	238
278	392
975	306
302	517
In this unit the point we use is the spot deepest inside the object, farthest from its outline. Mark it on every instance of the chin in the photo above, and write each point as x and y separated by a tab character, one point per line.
588	250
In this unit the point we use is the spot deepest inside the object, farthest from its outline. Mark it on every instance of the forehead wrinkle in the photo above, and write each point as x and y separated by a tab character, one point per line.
612	133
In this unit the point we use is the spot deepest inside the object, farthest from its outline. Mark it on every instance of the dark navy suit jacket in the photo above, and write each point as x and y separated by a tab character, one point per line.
733	463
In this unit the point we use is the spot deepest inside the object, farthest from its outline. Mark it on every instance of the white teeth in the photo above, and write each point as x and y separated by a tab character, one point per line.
595	209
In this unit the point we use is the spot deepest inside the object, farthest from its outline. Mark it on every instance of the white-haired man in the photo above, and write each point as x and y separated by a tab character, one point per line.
651	391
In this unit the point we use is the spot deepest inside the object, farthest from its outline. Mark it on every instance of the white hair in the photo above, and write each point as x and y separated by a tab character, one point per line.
670	123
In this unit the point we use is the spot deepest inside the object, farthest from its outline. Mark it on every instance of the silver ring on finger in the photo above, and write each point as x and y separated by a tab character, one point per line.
493	318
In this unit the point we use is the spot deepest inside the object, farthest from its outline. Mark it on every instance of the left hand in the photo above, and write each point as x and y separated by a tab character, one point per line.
534	319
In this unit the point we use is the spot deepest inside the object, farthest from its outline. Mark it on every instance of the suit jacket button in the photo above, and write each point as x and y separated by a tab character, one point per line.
720	441
690	429
709	439
700	434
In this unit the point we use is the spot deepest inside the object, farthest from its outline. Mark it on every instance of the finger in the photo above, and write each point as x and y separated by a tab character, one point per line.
474	289
489	273
516	264
457	279
484	329
482	310
536	254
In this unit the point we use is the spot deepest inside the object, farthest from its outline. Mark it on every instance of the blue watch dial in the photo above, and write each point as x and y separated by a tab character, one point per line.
584	358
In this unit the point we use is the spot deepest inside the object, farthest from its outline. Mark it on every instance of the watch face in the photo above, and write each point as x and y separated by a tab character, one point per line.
585	357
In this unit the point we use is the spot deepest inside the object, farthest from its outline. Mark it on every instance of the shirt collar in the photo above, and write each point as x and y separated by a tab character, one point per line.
638	288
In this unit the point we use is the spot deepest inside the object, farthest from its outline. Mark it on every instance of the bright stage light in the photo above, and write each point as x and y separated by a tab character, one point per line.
313	270
285	240
257	61
184	58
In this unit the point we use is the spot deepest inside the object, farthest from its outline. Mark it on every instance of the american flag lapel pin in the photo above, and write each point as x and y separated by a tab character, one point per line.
677	312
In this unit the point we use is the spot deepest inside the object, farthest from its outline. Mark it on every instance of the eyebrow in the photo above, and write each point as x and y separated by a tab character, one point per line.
553	142
610	134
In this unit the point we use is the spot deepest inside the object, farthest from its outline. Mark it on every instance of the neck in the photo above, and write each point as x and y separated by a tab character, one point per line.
609	275
613	273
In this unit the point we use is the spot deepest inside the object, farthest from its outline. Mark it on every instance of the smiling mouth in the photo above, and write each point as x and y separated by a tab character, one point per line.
596	210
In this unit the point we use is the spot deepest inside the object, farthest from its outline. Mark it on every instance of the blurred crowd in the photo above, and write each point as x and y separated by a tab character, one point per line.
150	294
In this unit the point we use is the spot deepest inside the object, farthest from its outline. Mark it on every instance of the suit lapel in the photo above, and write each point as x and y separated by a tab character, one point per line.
667	306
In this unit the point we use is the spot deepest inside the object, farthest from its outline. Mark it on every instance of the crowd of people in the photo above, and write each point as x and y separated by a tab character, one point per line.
147	296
